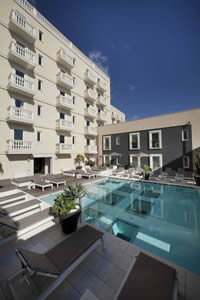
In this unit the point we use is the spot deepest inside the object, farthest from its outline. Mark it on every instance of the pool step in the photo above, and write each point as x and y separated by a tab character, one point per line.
21	208
12	198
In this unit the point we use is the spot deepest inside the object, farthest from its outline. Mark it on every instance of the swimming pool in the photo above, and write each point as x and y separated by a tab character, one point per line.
162	219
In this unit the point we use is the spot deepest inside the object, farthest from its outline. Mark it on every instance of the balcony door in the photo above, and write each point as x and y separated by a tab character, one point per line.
39	165
18	134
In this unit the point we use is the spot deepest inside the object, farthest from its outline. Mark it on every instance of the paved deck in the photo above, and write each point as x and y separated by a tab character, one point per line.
102	272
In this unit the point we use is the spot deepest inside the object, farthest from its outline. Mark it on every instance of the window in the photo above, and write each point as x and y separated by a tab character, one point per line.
118	140
39	110
40	59
74	99
156	161
134	141
73	119
185	135
62	116
88	142
40	35
73	80
155	139
74	61
18	134
39	84
19	73
106	159
99	110
186	162
61	139
134	161
19	103
107	143
38	136
87	105
87	123
73	140
62	93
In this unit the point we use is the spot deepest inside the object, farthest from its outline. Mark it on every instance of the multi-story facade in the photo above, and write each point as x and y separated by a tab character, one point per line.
53	97
169	140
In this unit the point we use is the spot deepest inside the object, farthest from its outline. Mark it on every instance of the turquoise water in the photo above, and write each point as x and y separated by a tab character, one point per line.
162	219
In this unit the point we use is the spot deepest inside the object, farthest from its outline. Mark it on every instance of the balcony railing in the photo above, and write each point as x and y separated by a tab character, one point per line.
91	112
91	95
22	55
62	124
65	80
20	115
22	26
64	148
102	116
65	59
19	146
65	101
21	84
92	149
90	77
102	101
101	85
90	131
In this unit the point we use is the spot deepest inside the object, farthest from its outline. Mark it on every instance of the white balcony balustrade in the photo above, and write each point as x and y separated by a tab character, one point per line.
22	56
90	95
91	112
64	59
91	149
65	102
65	80
64	148
90	131
19	147
19	84
20	25
20	115
64	125
101	116
101	85
103	101
90	77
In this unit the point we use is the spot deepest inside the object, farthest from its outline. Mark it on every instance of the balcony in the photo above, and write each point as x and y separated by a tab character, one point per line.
20	115
114	116
63	148
91	149
22	56
90	77
90	131
65	80
90	95
21	85
19	147
102	101
90	112
101	85
22	27
64	59
101	116
65	102
64	125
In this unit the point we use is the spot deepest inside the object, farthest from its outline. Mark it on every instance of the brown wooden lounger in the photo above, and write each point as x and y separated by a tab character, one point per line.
19	208
148	279
61	260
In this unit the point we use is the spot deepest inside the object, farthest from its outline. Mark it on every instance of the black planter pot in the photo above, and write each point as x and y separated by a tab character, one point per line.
69	223
197	179
146	176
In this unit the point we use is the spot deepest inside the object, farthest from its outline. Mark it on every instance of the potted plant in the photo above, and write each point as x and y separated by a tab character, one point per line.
197	166
78	159
147	171
66	208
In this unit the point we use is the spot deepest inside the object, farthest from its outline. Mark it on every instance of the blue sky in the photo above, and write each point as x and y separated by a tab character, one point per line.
149	48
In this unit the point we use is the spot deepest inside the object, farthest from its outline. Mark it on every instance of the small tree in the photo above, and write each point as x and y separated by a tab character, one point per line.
1	168
78	159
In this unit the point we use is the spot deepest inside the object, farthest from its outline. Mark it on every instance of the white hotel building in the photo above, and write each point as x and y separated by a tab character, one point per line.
53	97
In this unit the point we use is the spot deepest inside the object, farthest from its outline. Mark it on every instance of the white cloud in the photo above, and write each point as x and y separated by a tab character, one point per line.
131	87
100	60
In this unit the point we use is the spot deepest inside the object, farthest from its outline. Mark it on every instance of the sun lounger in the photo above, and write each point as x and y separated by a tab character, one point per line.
55	180
70	172
147	279
42	184
84	174
20	208
61	260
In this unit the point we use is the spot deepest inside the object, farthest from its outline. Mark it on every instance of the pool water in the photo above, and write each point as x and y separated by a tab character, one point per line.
162	219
